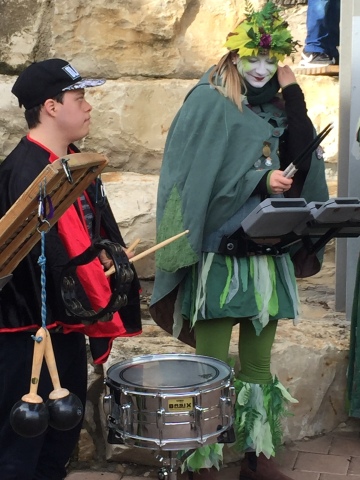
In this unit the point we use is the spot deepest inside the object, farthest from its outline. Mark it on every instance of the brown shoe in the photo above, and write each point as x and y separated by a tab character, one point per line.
260	468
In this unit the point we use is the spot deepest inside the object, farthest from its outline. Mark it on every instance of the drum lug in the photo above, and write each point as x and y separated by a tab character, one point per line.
160	418
199	421
232	394
226	408
126	416
108	402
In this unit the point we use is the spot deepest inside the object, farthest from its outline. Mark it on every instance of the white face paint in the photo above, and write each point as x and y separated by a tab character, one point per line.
258	70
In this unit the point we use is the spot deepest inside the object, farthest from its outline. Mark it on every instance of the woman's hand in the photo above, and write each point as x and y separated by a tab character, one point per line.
278	183
285	76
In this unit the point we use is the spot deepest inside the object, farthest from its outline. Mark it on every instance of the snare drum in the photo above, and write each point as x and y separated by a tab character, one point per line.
169	401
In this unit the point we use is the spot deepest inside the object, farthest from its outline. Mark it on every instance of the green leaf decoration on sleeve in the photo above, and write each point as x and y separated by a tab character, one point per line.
179	253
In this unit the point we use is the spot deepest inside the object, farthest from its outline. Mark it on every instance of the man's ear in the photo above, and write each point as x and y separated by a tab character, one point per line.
50	106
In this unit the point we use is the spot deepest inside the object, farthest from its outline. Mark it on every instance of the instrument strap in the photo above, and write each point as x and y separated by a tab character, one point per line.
100	202
120	282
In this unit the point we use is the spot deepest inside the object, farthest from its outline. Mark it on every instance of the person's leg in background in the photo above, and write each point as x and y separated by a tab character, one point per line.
260	404
315	26
332	22
322	39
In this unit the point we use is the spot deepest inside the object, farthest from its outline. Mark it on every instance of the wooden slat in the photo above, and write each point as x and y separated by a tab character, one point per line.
19	227
330	70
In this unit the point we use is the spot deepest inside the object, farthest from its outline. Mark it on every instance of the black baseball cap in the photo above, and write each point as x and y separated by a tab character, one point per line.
43	80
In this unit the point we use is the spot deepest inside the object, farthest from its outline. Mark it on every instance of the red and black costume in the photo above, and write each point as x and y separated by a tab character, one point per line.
20	316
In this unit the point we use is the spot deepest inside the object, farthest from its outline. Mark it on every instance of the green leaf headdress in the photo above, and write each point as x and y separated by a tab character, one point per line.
264	31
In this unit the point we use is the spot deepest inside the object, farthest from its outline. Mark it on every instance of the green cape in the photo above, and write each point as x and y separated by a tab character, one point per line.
207	174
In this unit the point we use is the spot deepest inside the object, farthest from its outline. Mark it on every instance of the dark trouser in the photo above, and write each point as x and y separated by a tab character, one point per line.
323	31
43	457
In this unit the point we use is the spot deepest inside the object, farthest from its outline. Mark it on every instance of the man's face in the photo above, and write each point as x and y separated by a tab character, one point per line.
258	70
73	115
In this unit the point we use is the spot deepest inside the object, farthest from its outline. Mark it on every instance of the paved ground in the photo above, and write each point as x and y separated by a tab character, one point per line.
335	456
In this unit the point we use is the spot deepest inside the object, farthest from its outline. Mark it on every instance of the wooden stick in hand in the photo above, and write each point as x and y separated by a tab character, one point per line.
150	250
132	246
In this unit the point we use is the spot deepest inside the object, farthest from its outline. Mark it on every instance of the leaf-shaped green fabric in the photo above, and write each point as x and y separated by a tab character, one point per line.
179	252
258	413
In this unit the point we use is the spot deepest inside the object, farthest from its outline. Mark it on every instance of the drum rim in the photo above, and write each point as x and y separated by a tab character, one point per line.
168	356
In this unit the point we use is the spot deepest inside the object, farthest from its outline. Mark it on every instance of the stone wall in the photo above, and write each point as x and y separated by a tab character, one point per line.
151	54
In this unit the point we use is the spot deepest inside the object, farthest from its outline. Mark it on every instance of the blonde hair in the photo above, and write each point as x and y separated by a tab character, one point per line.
225	78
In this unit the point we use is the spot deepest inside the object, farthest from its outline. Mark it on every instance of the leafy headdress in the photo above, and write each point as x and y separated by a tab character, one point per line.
262	32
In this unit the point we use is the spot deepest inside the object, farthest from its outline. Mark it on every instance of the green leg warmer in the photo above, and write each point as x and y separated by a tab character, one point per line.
261	399
255	352
213	337
258	413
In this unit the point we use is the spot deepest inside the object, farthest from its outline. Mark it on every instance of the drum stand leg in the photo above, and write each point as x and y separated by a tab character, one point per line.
170	466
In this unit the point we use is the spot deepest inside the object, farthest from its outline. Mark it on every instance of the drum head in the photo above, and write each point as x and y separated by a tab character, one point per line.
169	371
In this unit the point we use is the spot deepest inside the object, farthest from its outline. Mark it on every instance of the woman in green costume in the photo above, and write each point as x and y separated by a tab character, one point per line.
226	151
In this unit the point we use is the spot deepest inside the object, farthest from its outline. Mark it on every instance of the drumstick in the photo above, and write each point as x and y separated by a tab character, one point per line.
58	391
291	169
132	246
150	250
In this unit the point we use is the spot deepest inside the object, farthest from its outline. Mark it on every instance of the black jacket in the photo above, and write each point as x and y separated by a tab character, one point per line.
20	299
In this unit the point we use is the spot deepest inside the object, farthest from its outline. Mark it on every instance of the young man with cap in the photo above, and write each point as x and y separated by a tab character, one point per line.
57	113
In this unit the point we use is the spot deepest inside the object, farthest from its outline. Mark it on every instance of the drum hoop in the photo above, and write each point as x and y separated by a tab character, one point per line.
126	385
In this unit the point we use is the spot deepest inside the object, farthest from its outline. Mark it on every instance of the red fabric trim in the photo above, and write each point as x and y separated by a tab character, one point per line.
52	157
79	328
104	357
27	328
92	277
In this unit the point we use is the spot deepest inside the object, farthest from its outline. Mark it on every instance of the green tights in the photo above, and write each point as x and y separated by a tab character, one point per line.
213	340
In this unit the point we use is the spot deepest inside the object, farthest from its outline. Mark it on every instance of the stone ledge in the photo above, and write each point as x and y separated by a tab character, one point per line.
331	70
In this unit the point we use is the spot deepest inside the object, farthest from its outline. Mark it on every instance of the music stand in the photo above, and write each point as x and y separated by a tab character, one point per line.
283	222
64	180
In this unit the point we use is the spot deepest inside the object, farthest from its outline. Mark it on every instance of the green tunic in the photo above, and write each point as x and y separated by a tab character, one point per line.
231	290
213	161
